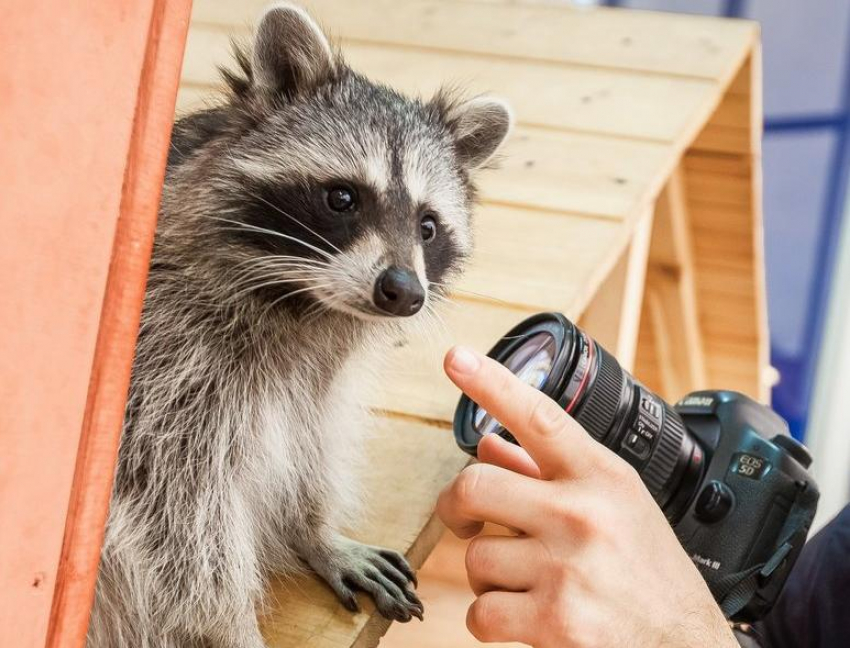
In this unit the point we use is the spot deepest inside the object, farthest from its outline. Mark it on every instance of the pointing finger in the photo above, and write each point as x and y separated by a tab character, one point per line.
553	439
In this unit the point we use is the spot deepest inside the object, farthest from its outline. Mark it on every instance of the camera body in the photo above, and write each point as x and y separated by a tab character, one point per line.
724	470
749	518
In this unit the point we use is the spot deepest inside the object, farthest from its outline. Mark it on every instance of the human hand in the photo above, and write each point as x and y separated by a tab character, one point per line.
594	563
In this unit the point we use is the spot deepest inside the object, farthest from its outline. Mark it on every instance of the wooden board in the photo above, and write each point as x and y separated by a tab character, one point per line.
563	96
672	45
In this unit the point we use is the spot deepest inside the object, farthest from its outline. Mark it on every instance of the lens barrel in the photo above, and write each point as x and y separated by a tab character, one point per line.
614	408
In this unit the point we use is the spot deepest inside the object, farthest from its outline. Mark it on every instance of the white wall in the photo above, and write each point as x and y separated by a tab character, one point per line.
828	434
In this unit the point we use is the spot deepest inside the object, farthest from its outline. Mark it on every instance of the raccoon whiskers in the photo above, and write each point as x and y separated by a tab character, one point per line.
297	292
434	326
280	258
271	283
314	312
275	265
263	230
288	271
455	289
295	220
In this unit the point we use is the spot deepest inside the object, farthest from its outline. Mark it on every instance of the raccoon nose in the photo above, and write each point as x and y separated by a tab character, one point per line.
398	292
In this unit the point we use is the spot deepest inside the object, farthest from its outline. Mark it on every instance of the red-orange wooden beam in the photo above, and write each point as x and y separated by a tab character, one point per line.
87	93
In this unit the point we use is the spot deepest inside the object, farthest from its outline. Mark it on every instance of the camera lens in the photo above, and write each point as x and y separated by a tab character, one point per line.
551	354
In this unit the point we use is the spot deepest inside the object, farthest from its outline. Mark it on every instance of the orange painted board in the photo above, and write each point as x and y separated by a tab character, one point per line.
87	94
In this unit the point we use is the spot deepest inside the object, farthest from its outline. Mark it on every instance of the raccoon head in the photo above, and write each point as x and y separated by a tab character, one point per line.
322	186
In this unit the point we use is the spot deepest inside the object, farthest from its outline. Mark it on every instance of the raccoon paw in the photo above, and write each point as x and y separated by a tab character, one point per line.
381	573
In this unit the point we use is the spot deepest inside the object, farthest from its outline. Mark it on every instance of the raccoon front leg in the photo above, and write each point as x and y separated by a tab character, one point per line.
349	566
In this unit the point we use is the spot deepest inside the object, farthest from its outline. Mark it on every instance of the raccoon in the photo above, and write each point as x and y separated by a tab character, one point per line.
305	223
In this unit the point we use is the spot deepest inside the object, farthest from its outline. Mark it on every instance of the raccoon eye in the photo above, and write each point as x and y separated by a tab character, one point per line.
341	198
428	228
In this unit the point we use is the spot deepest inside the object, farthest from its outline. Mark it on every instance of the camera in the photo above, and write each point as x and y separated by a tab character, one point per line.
723	468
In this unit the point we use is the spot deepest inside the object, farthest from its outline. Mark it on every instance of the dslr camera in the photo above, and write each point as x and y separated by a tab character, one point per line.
723	468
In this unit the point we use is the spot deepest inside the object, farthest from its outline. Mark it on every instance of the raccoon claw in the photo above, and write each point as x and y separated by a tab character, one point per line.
400	563
381	573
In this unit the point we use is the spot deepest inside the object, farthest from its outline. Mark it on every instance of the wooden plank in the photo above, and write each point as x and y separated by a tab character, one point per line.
726	139
732	128
648	107
681	363
66	333
536	260
407	465
577	173
413	380
671	294
647	360
723	187
695	46
613	317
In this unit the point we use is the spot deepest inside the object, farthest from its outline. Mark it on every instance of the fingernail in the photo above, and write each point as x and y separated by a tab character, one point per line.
464	361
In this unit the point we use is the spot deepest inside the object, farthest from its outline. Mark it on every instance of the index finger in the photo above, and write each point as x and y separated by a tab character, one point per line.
556	442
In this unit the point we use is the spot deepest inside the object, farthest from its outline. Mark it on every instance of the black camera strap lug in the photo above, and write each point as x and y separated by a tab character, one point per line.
736	591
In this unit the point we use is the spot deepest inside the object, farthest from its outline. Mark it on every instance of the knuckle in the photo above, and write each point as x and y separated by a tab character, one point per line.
560	572
555	508
482	620
546	418
466	486
476	559
610	469
585	519
561	623
622	475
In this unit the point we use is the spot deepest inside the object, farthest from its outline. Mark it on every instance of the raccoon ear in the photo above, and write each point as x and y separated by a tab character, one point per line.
291	54
480	126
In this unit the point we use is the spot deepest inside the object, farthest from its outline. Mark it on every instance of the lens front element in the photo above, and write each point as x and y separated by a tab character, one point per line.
531	362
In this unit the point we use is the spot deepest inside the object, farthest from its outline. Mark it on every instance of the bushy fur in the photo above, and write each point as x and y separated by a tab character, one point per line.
244	420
